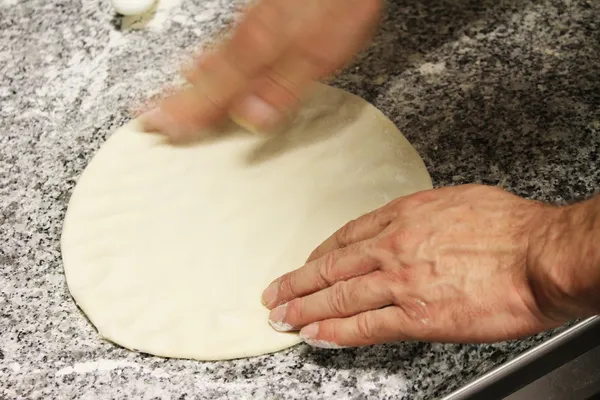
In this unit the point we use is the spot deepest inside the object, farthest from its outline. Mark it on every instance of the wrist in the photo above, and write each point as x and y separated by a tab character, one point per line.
564	262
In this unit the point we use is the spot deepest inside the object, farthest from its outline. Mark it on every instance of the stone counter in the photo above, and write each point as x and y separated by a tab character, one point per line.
498	92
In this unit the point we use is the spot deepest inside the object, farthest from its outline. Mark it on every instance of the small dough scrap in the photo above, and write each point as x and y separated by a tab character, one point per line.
132	7
168	248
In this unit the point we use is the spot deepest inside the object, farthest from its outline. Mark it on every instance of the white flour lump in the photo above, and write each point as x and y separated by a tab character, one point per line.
167	248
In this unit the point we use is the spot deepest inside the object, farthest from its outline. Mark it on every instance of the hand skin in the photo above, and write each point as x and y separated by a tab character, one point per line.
259	74
460	264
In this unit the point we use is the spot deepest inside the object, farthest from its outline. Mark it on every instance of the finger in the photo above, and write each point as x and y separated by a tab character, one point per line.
182	116
257	42
268	30
272	97
371	327
319	274
343	299
340	31
363	228
153	101
315	54
191	71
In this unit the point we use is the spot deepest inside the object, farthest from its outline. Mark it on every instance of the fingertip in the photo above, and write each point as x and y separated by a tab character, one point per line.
152	121
277	319
191	69
243	123
256	115
269	296
310	333
157	121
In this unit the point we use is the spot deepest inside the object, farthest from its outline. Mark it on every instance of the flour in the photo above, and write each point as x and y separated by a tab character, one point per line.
102	365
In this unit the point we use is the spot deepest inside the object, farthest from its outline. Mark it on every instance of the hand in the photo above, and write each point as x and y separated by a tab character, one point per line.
259	74
446	265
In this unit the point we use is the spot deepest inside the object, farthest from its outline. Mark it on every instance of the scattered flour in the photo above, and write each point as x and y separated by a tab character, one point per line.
432	69
101	365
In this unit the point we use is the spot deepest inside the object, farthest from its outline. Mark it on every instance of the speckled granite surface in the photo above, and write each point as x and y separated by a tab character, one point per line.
500	92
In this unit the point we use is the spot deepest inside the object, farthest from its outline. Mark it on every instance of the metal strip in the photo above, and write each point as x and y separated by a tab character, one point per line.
532	364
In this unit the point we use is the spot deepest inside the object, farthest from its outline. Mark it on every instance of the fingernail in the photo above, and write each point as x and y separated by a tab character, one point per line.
276	319
156	121
152	120
255	114
270	294
310	332
244	124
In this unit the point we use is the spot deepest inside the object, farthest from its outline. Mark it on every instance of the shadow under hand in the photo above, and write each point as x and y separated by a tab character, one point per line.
323	114
429	368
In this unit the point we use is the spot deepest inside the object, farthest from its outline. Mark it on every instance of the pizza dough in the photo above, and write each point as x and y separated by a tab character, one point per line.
167	248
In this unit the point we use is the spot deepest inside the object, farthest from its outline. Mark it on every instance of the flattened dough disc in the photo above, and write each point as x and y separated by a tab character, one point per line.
167	249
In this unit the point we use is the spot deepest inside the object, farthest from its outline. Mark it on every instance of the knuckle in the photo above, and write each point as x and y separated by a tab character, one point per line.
217	100
420	198
413	310
280	88
345	234
258	33
366	327
294	314
402	236
379	282
380	219
329	331
401	274
287	287
397	241
338	300
327	267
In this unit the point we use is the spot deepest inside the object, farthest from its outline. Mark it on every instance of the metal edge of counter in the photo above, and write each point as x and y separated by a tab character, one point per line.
534	363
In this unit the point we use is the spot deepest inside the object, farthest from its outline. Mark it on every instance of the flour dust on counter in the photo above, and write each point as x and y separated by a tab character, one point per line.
167	248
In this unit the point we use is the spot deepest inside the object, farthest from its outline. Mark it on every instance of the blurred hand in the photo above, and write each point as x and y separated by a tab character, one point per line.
258	76
446	265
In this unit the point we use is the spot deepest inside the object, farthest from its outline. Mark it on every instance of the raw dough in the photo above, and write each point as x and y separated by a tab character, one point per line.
167	249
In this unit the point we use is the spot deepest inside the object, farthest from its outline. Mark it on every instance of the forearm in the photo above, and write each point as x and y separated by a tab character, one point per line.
565	260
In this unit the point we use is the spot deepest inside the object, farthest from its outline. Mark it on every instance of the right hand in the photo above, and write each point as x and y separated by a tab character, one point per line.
448	265
259	74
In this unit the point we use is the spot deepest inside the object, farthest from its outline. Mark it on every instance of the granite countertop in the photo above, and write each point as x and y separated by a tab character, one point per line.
502	92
